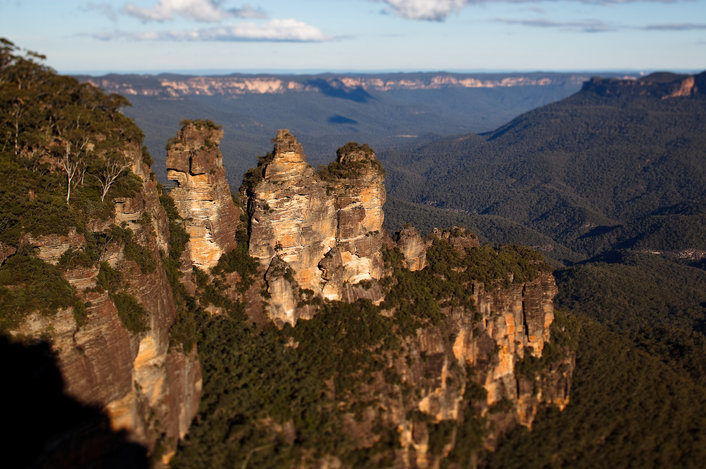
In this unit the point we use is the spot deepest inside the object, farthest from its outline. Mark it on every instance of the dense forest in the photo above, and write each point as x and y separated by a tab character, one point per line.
591	172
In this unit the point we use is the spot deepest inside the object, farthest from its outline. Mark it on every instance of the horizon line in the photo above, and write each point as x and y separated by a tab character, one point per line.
262	71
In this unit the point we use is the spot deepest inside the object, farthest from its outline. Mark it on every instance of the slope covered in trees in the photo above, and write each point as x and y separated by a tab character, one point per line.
593	172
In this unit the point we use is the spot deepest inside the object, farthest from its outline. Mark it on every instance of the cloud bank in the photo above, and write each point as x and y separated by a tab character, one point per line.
277	30
208	11
586	26
439	10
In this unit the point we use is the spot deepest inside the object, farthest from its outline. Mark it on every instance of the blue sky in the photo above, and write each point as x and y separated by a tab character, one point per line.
365	35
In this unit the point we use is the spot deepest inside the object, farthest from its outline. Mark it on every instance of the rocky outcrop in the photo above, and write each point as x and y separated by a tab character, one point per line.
325	225
468	354
481	363
412	247
661	85
202	195
146	386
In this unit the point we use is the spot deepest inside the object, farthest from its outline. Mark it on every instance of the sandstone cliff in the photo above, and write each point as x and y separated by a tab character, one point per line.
119	357
326	226
477	365
170	87
661	85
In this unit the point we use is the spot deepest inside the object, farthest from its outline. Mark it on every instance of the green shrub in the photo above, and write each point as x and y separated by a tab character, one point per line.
131	313
108	279
29	284
134	251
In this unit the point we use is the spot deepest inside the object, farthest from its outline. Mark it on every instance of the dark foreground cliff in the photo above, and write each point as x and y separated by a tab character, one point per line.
82	241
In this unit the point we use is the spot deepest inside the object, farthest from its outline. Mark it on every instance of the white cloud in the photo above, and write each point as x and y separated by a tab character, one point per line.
102	8
438	10
199	10
430	10
675	27
248	12
284	30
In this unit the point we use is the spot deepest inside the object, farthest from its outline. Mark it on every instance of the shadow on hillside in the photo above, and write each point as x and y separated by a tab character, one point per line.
44	427
339	119
336	89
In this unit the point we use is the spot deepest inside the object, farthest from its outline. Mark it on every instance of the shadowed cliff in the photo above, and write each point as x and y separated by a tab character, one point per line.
46	428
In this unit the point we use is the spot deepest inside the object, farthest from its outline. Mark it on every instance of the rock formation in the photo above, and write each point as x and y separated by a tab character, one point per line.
202	195
319	233
326	226
412	247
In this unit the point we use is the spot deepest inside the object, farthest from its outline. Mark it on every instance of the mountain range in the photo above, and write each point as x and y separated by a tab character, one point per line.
382	110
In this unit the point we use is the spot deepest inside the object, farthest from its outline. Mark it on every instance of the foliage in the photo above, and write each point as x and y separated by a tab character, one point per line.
28	284
62	149
183	331
238	260
351	167
131	313
133	250
593	173
200	124
73	258
658	303
260	376
108	279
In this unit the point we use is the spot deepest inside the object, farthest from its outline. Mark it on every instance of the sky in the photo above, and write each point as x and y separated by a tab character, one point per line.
223	36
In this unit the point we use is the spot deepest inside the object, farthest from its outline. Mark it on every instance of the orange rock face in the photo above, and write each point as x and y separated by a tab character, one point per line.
143	385
202	195
325	225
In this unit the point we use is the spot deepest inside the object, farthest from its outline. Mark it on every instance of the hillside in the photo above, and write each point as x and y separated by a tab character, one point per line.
279	326
596	171
297	332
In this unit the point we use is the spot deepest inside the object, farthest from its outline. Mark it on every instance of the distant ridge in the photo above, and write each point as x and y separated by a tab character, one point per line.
659	85
170	85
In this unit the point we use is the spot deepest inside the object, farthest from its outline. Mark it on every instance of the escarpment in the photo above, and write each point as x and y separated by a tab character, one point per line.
114	348
83	238
324	342
451	352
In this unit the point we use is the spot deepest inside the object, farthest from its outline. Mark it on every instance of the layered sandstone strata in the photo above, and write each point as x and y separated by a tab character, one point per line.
325	225
202	195
145	385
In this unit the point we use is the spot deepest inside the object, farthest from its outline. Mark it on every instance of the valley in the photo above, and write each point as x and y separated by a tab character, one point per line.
503	271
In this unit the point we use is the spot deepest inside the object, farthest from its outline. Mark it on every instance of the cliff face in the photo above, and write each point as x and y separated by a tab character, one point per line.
474	366
202	195
146	387
451	350
657	85
326	227
234	86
